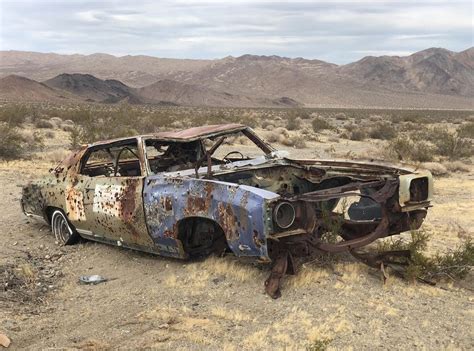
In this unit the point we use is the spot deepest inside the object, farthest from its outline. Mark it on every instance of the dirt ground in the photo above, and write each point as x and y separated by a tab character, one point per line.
219	304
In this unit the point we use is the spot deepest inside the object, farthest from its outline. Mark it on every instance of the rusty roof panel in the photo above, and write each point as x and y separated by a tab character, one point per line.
181	135
199	132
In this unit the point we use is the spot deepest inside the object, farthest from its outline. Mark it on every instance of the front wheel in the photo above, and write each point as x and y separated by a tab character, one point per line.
64	232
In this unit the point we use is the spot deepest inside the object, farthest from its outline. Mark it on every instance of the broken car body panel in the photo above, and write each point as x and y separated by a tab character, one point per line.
168	194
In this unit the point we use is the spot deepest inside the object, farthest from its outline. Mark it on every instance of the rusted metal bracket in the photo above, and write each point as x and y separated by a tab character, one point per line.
283	265
380	231
207	156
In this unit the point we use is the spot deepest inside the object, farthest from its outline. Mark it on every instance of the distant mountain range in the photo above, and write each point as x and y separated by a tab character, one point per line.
432	78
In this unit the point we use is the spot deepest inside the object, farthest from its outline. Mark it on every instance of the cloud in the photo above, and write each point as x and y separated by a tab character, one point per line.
337	31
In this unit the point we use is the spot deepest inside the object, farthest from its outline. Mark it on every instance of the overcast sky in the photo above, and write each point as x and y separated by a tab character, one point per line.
335	31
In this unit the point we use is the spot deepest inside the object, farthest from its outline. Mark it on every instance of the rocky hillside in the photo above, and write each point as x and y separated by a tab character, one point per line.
91	88
432	78
14	87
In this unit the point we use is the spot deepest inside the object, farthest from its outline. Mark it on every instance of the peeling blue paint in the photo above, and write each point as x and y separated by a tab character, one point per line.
240	210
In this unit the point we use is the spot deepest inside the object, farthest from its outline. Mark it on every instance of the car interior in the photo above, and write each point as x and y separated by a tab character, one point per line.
122	160
112	161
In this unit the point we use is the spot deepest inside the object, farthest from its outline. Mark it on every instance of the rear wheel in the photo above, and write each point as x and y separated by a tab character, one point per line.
63	231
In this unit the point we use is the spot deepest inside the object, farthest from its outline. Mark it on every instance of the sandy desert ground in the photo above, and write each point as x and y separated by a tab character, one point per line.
219	303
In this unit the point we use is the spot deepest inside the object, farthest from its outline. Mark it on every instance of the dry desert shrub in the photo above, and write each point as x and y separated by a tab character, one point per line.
456	166
466	130
293	123
14	115
452	265
405	149
300	143
298	113
319	124
375	118
353	132
44	124
15	143
446	143
382	131
357	135
267	124
279	135
436	168
341	116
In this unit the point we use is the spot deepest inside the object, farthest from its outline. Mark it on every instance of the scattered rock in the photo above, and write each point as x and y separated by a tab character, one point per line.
4	340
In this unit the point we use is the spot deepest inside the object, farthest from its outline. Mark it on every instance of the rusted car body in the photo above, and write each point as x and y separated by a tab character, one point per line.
171	195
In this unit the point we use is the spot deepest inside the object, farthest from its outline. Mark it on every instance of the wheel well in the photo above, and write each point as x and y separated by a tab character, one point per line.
201	236
49	212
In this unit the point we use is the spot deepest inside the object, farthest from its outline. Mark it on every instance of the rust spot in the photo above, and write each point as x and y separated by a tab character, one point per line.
257	241
228	221
127	201
168	205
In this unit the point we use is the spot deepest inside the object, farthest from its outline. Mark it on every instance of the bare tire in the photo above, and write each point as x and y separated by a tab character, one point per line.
63	231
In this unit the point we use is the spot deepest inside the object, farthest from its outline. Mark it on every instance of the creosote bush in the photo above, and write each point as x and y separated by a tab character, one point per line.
357	135
321	124
405	149
466	130
45	124
293	123
14	144
382	131
14	115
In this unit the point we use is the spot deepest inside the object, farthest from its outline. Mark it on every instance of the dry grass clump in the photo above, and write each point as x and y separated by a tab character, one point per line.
308	276
318	344
228	268
230	314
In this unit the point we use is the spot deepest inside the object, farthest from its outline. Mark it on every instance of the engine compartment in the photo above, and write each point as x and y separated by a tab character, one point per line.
285	180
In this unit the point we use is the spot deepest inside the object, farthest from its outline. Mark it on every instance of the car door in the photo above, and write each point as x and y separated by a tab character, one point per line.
110	182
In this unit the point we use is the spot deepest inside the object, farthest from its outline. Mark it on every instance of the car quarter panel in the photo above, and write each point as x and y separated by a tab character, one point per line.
240	210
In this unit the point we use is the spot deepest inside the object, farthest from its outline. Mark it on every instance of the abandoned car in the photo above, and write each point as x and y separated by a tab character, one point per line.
190	193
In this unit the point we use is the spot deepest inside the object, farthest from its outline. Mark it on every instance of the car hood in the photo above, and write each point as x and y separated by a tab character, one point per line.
344	166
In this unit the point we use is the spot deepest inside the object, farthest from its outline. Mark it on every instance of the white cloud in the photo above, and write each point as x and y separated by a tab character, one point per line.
338	31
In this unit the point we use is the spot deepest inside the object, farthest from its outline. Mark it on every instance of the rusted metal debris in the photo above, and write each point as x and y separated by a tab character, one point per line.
168	194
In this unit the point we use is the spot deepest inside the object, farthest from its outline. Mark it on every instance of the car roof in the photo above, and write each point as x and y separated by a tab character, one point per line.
184	135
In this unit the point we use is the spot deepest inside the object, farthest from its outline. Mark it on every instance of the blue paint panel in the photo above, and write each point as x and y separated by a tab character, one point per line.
240	211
